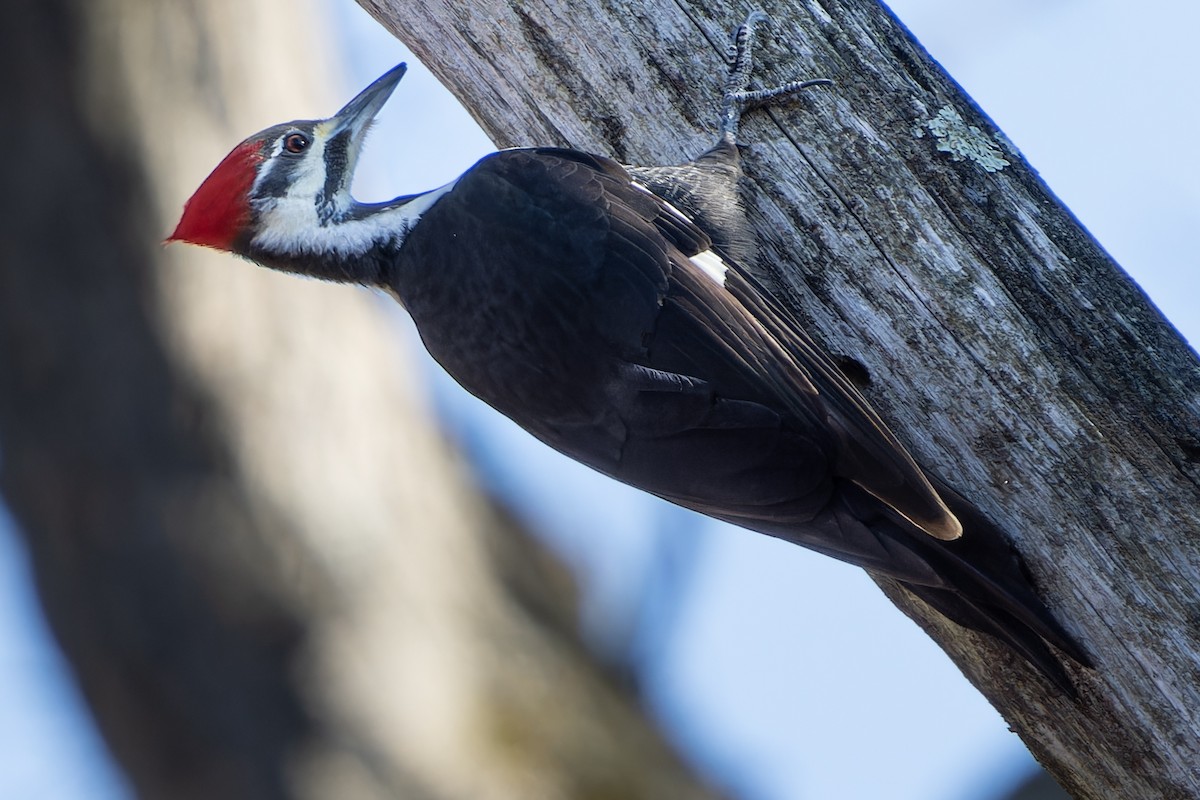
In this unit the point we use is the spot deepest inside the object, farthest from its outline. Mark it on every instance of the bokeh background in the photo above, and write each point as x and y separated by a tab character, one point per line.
780	674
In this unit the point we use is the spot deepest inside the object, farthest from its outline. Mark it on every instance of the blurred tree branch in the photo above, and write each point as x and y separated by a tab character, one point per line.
270	575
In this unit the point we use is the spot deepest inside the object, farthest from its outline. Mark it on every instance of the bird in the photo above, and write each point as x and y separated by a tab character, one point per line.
608	310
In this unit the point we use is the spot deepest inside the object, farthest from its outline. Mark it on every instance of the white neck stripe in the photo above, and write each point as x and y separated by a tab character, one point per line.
291	226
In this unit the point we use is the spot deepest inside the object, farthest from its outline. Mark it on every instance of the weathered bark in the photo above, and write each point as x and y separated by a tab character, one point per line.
270	575
999	339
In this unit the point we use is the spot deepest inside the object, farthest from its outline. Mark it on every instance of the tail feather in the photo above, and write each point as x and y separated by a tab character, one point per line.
991	592
1000	625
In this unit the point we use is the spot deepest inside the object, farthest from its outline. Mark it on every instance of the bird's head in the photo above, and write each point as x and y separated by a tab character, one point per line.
285	189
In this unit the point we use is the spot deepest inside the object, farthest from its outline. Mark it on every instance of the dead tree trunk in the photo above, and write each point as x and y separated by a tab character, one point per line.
1002	342
269	574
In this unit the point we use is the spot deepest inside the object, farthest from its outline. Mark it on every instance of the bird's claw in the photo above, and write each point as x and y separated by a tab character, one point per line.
739	98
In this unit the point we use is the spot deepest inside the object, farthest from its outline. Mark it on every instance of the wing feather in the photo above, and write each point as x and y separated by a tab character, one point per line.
743	339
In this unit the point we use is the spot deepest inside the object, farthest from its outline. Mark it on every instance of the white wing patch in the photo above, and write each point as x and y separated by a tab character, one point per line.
708	262
711	265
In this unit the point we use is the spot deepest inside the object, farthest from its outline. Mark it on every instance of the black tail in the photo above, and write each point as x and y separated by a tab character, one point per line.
992	592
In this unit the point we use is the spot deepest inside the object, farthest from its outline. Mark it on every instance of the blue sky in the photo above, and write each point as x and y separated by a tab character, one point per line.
787	674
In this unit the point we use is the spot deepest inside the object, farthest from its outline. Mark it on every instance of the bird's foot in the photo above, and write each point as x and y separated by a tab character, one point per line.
739	98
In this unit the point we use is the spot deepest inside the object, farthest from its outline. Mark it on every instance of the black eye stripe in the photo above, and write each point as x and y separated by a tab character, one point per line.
277	180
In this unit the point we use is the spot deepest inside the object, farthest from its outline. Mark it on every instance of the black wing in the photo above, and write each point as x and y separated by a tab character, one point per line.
570	298
585	312
747	349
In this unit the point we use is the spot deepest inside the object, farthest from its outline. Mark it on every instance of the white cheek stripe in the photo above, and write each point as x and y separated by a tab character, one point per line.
291	226
711	265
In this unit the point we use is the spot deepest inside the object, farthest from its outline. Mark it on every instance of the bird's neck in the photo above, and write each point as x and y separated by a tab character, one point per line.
356	245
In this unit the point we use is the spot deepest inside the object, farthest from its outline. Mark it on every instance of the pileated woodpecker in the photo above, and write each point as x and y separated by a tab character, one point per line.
605	309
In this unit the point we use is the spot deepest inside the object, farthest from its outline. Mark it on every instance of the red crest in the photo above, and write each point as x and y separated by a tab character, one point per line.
220	209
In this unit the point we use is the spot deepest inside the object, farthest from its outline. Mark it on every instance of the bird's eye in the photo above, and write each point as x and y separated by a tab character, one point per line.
295	143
